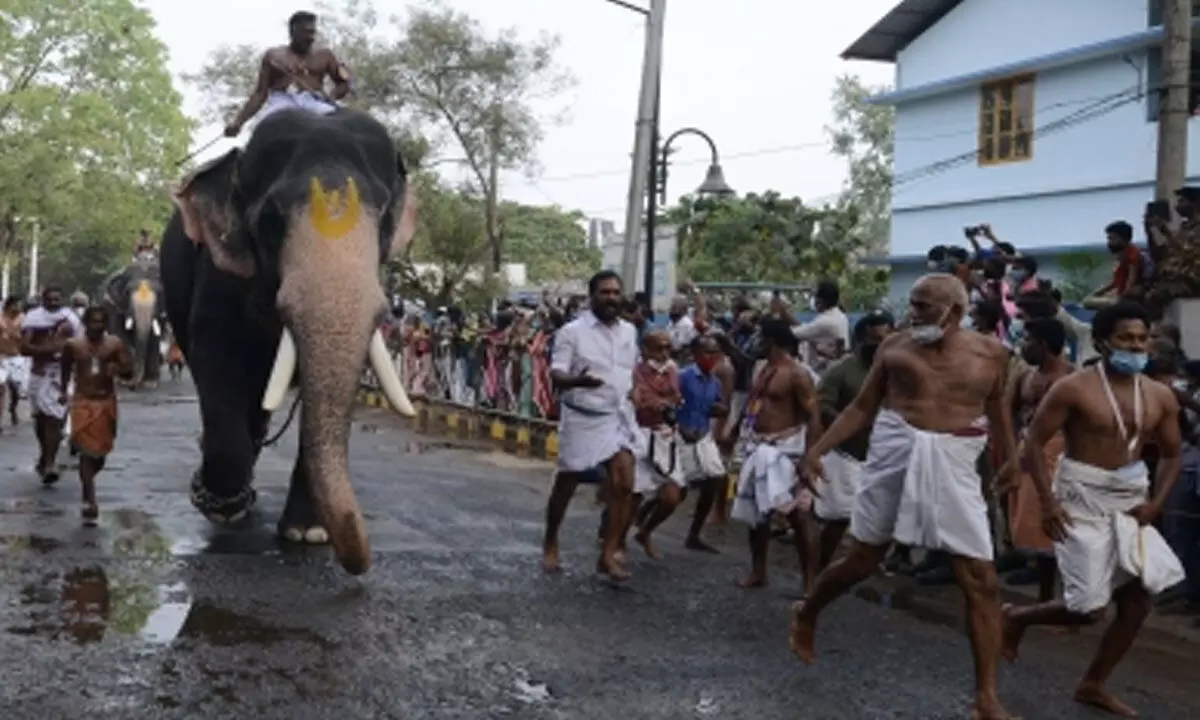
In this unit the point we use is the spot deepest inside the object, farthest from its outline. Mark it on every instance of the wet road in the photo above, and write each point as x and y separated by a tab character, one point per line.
156	614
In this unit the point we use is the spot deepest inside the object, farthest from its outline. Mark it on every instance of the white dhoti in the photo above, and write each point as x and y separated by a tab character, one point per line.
702	460
15	371
6	370
589	436
767	482
659	460
921	488
842	475
46	396
299	100
1105	547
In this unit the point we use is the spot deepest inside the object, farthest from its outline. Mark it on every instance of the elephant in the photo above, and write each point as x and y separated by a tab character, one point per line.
137	314
271	269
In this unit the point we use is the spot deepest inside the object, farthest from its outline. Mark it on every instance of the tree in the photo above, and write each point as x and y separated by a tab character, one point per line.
91	128
1081	275
772	239
550	241
863	134
442	85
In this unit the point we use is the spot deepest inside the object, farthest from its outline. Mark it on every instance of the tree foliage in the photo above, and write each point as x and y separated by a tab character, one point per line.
91	128
552	243
863	134
772	239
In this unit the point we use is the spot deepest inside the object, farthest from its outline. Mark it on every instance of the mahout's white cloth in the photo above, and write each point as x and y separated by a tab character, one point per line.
659	460
767	481
299	100
702	460
842	475
921	488
1105	547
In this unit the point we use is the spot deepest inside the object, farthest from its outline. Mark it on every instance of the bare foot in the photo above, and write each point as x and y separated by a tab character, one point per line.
695	543
550	562
1098	696
802	634
612	568
1012	634
643	539
990	710
753	580
89	513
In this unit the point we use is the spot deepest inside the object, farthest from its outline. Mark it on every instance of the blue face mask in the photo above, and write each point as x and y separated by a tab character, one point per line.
1127	362
1016	330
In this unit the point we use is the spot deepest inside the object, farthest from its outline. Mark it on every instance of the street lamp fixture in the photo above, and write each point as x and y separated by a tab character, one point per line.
714	184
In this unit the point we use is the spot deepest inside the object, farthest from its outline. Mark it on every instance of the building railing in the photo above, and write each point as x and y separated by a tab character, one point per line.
501	371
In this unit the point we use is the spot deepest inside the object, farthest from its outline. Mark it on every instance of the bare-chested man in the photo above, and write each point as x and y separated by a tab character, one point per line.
12	363
782	418
928	393
1042	350
293	76
1100	508
94	361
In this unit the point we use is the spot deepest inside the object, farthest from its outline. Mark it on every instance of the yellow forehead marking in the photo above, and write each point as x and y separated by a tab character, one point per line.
333	213
143	290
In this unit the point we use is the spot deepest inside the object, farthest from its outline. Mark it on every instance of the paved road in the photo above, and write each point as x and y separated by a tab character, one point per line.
454	621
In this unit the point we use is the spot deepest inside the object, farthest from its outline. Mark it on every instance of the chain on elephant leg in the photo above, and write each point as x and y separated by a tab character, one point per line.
222	510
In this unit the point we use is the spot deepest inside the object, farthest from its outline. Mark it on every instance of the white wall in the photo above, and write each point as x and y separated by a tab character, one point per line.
665	248
980	34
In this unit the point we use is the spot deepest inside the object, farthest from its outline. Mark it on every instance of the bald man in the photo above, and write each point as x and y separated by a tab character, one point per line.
930	397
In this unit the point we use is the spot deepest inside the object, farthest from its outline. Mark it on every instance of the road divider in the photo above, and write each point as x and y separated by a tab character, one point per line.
520	436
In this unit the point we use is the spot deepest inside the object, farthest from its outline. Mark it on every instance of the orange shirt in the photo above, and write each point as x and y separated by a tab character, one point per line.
1129	261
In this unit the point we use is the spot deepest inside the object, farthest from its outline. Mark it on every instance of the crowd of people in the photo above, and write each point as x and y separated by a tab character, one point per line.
964	430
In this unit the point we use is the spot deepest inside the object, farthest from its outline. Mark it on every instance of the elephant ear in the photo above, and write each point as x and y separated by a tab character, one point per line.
210	215
404	211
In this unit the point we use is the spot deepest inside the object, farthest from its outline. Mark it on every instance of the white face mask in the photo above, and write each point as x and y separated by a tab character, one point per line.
930	334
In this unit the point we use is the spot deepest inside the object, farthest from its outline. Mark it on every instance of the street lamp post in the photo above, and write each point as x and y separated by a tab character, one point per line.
714	184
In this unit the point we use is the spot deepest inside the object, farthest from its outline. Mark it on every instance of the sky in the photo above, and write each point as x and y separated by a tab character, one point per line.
754	74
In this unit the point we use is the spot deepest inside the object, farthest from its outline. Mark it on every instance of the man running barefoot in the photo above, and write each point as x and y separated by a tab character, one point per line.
45	331
1099	510
94	362
782	418
11	361
592	366
927	393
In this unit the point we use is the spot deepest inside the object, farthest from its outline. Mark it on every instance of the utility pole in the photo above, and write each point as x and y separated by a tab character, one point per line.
652	181
1173	109
642	146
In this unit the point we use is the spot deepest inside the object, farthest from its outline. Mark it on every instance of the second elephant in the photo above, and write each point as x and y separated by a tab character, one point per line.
134	299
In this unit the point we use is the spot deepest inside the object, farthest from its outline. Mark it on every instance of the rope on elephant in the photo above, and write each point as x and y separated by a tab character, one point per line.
197	151
286	424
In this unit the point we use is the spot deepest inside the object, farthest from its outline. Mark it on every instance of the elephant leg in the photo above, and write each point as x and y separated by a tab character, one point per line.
299	523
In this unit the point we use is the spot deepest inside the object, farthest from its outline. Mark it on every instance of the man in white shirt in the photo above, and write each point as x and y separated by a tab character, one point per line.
592	369
681	327
827	336
44	332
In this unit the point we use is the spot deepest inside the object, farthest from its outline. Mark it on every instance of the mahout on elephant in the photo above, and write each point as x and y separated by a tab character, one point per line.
134	299
271	269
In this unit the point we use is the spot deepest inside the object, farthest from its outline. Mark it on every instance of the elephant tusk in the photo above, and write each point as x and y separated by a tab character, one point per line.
154	326
281	373
128	323
389	381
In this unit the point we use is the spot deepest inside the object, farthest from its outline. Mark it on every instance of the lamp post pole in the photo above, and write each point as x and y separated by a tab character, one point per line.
714	184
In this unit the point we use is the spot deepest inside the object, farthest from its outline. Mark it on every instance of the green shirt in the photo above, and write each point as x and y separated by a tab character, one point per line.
837	389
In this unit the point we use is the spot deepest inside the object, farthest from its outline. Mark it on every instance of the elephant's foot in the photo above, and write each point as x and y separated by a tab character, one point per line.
301	535
299	523
219	509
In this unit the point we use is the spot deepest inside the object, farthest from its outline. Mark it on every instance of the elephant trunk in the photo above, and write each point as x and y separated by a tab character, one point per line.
330	302
142	311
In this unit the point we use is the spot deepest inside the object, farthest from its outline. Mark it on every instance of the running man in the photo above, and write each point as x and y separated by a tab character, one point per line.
94	362
12	364
1100	510
927	393
44	333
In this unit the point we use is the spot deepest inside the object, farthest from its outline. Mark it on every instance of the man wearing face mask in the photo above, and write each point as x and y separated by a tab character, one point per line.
837	389
1100	511
932	395
1042	351
592	369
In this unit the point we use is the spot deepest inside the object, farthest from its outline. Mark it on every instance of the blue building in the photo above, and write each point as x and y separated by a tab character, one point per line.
1036	117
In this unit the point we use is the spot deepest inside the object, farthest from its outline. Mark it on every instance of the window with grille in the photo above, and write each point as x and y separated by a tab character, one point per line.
1006	121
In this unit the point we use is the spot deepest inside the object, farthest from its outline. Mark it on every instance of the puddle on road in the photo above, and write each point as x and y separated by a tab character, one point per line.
29	506
37	543
88	604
